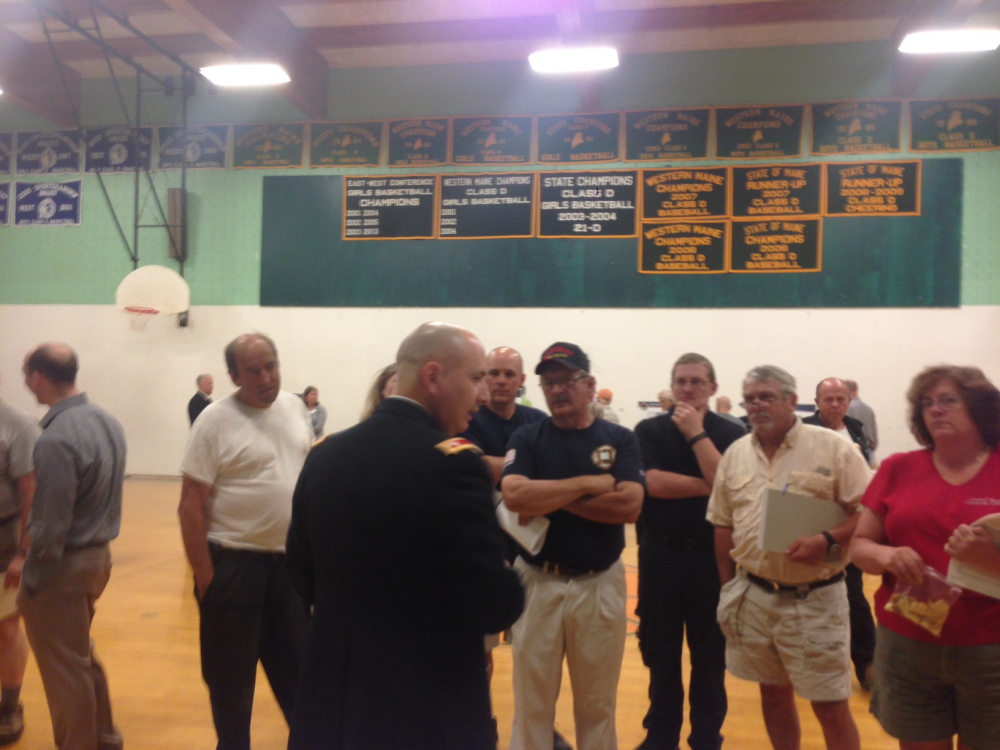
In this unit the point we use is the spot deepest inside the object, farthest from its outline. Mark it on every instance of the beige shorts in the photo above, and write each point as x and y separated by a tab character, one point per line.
775	638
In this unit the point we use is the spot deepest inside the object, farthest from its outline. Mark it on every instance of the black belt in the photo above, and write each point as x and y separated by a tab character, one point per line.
800	590
558	569
219	549
674	541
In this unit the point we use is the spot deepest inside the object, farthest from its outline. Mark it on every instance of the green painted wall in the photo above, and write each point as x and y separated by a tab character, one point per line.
85	264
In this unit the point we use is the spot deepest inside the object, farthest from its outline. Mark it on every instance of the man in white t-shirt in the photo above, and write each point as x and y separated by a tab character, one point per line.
242	460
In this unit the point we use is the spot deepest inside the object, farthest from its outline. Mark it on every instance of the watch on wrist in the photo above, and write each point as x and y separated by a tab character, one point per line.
832	547
698	437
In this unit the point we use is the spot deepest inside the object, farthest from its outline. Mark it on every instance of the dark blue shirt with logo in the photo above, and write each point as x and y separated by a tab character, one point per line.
544	451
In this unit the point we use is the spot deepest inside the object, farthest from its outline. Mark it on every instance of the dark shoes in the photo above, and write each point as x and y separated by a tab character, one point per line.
11	724
559	742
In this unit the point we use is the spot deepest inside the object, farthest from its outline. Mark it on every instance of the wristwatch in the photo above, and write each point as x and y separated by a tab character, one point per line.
832	548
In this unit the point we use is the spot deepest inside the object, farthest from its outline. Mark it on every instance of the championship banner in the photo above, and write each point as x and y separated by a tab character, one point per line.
778	190
54	152
397	208
478	206
954	125
491	140
418	142
47	204
683	247
670	194
269	146
4	204
203	147
345	144
879	188
580	204
776	246
758	132
666	134
114	149
579	139
856	127
6	152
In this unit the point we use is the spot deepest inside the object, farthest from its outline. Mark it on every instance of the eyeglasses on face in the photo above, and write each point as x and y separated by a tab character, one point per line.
765	399
548	384
693	382
947	402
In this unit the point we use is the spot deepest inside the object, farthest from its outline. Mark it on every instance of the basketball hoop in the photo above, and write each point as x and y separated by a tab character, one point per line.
139	316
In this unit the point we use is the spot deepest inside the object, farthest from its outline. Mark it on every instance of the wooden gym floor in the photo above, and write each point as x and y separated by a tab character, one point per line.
146	632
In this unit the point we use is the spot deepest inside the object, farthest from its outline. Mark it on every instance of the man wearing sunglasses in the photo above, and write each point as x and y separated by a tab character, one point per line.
584	475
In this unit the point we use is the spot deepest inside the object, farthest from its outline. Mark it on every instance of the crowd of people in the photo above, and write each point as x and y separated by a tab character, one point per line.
367	573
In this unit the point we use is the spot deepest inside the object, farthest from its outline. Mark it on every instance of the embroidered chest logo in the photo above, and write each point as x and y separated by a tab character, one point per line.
604	457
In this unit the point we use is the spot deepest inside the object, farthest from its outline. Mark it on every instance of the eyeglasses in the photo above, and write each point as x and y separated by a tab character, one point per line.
548	385
693	382
946	402
765	399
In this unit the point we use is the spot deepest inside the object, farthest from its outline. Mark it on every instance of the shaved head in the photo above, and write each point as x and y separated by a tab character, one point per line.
431	342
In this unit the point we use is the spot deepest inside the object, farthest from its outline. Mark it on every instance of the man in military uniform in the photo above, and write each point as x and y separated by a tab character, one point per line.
394	543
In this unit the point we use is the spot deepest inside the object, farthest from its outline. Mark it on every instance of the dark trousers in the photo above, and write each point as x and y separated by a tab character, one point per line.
678	591
862	622
249	612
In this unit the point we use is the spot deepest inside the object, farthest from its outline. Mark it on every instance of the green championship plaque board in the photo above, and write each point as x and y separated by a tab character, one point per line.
877	188
575	204
856	127
418	142
491	140
955	125
776	246
197	147
666	134
486	205
669	194
579	139
389	207
683	247
269	146
345	144
777	190
758	132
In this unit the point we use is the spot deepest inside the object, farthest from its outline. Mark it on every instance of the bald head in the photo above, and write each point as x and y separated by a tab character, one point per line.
723	404
832	399
666	398
443	367
50	372
504	378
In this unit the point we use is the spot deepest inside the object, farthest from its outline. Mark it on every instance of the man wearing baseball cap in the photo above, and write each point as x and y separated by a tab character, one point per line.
584	475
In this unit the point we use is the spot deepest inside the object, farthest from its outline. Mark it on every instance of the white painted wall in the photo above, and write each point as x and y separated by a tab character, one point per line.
146	378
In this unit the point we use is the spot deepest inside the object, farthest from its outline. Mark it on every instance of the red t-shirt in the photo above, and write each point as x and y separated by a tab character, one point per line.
920	510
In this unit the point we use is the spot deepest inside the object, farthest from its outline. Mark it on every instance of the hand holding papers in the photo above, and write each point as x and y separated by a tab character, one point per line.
787	516
530	536
971	577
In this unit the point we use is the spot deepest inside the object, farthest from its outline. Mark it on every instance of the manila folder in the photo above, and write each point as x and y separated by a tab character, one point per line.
788	516
973	578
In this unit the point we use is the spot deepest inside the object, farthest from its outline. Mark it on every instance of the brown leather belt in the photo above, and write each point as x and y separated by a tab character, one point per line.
800	590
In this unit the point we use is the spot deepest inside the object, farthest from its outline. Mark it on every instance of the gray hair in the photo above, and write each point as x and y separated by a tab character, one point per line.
773	372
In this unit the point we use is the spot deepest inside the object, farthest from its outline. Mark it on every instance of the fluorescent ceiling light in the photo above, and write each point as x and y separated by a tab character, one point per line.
573	60
246	74
950	40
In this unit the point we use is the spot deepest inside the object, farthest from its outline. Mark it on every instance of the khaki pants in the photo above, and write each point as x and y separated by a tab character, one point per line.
583	620
57	619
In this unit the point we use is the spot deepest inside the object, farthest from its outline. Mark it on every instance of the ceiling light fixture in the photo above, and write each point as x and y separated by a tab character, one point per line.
573	59
950	40
246	74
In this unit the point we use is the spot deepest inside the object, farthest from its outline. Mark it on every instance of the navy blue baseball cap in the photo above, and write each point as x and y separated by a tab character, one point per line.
568	355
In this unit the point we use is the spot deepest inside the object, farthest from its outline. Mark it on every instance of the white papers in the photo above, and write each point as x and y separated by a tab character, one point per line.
973	578
531	536
8	602
787	516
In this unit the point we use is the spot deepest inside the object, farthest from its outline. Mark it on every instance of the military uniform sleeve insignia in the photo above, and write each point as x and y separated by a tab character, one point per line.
320	441
457	445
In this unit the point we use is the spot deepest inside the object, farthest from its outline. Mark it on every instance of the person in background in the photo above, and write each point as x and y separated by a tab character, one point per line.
383	386
666	399
724	408
601	406
202	397
920	511
862	412
317	412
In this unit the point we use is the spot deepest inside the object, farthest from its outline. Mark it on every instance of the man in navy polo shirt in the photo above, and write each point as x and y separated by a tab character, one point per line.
585	475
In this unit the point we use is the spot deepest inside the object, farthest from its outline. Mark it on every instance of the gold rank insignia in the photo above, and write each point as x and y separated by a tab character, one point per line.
457	445
320	440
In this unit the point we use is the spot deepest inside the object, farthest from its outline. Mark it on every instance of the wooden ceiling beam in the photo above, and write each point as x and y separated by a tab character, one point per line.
431	32
258	30
30	76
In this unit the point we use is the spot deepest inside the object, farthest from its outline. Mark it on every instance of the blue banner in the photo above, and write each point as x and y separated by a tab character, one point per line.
204	147
4	204
54	152
115	150
47	204
6	152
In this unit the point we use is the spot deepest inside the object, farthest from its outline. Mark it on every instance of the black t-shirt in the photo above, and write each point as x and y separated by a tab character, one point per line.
543	451
665	448
490	431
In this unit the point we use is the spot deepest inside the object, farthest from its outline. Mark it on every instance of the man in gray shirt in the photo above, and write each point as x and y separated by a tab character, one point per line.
18	433
80	466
